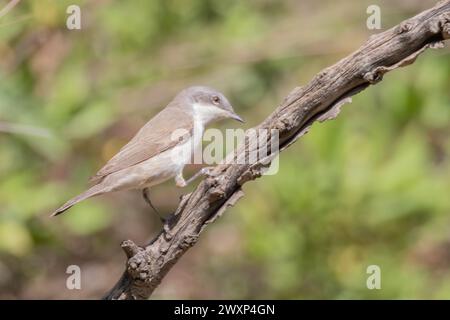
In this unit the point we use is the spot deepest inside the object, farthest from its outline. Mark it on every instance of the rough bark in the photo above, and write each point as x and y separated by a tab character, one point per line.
319	100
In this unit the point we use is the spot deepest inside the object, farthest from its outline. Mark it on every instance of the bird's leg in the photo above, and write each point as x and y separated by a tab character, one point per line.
145	194
206	172
181	182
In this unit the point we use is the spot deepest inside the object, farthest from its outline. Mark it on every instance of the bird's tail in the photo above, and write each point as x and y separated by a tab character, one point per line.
93	191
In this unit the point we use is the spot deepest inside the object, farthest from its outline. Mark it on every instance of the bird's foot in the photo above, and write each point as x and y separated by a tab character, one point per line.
145	194
205	172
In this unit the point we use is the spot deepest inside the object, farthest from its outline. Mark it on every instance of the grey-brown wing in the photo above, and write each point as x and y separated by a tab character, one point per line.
153	138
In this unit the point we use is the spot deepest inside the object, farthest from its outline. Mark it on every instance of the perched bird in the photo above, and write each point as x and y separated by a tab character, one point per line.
153	156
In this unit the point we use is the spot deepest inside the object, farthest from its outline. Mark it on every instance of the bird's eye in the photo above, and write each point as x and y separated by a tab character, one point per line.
215	100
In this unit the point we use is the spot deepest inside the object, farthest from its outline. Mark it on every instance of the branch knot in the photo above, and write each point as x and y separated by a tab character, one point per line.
130	248
404	27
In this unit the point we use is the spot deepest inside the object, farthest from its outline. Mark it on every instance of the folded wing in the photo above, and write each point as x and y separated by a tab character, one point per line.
153	138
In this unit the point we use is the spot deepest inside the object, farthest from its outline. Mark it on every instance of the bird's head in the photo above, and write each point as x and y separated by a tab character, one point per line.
209	105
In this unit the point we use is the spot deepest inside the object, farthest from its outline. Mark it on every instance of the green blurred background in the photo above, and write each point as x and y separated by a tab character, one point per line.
371	187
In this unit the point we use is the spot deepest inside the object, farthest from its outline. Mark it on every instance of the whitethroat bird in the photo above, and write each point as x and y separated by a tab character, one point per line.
153	156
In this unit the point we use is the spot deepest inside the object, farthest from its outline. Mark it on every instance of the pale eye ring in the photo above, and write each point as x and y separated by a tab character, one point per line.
216	99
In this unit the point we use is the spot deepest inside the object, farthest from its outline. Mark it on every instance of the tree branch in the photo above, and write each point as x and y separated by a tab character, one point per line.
319	100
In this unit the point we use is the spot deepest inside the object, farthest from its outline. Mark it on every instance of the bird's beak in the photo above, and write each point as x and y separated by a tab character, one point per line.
234	115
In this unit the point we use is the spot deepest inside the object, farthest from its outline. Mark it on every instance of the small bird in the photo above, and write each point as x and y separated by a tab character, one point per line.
153	156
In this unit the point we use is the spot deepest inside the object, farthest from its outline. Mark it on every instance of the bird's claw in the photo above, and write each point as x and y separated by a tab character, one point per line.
208	172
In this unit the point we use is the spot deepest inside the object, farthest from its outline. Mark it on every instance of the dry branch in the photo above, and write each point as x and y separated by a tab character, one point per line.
320	100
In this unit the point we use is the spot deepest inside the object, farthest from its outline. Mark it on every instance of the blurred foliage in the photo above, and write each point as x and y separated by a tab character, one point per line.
371	187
